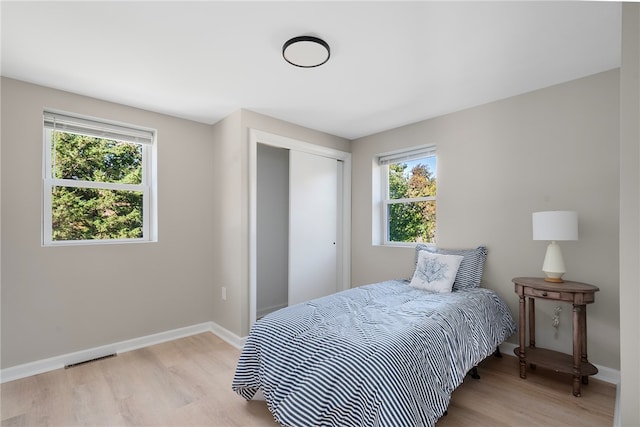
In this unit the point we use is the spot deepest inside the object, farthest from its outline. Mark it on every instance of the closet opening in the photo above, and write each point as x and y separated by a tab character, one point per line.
299	222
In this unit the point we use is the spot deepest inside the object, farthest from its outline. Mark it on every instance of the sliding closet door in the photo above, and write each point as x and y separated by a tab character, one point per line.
313	213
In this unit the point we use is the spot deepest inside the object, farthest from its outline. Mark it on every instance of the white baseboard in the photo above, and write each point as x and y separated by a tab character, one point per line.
58	362
228	336
616	410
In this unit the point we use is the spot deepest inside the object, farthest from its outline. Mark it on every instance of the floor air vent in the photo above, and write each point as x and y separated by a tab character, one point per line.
84	362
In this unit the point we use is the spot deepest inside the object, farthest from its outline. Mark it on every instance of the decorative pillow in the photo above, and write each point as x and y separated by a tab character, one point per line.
435	272
471	268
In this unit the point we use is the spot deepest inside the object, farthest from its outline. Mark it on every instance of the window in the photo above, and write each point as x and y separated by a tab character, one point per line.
409	196
97	182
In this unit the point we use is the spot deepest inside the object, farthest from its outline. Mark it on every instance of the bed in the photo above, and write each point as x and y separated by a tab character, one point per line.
385	354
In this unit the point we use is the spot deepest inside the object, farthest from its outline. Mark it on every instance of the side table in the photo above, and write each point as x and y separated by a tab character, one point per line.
578	294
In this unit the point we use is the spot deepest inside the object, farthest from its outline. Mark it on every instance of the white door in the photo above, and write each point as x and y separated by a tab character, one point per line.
313	214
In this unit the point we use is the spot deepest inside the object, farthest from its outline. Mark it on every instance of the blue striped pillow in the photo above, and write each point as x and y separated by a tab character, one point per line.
471	268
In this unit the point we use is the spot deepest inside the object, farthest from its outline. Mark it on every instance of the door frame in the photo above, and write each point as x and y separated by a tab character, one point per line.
344	242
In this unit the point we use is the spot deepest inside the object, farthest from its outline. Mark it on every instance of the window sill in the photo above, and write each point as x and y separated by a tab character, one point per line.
96	242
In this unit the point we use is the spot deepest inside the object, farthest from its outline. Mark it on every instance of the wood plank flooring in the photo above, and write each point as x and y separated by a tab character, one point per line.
187	382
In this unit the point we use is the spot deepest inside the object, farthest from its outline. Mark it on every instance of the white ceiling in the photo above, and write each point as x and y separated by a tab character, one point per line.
392	63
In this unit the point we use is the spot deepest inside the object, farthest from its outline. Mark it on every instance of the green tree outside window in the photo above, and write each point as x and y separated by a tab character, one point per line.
82	213
411	220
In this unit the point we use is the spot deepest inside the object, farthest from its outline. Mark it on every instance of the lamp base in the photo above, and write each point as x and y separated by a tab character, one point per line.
553	266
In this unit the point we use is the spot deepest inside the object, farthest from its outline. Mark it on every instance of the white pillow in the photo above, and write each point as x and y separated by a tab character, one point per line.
436	272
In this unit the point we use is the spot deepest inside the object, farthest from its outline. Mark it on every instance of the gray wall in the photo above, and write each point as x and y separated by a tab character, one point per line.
552	149
57	300
272	229
630	216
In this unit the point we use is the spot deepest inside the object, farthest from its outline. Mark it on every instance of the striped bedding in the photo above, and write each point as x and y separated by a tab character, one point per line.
384	354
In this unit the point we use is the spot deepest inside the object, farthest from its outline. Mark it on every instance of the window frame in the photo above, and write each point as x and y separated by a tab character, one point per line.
54	121
383	161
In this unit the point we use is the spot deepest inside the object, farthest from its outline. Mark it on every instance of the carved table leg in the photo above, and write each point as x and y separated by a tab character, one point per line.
577	349
532	326
521	353
583	340
532	322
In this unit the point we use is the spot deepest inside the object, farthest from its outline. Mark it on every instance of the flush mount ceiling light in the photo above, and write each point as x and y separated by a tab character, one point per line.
306	51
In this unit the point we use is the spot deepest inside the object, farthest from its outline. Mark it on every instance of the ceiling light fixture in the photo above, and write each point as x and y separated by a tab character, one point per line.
306	51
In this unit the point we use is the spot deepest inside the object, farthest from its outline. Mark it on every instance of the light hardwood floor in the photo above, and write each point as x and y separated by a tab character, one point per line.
187	382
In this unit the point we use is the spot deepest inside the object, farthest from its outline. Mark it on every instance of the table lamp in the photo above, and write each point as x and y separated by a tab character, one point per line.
554	226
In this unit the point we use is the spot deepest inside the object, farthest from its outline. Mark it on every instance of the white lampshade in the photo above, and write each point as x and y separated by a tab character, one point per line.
553	226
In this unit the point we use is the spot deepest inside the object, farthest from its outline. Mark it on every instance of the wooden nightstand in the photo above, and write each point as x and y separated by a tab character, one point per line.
578	294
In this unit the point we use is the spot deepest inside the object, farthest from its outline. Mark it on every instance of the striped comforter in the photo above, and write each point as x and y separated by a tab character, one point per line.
384	354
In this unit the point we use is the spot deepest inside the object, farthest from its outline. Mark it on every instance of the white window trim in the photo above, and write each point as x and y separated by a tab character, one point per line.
108	130
381	170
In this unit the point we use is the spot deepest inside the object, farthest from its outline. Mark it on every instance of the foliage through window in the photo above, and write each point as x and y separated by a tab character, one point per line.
96	181
409	202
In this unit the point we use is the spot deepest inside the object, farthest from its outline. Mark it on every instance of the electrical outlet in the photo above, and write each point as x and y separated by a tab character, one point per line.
224	293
